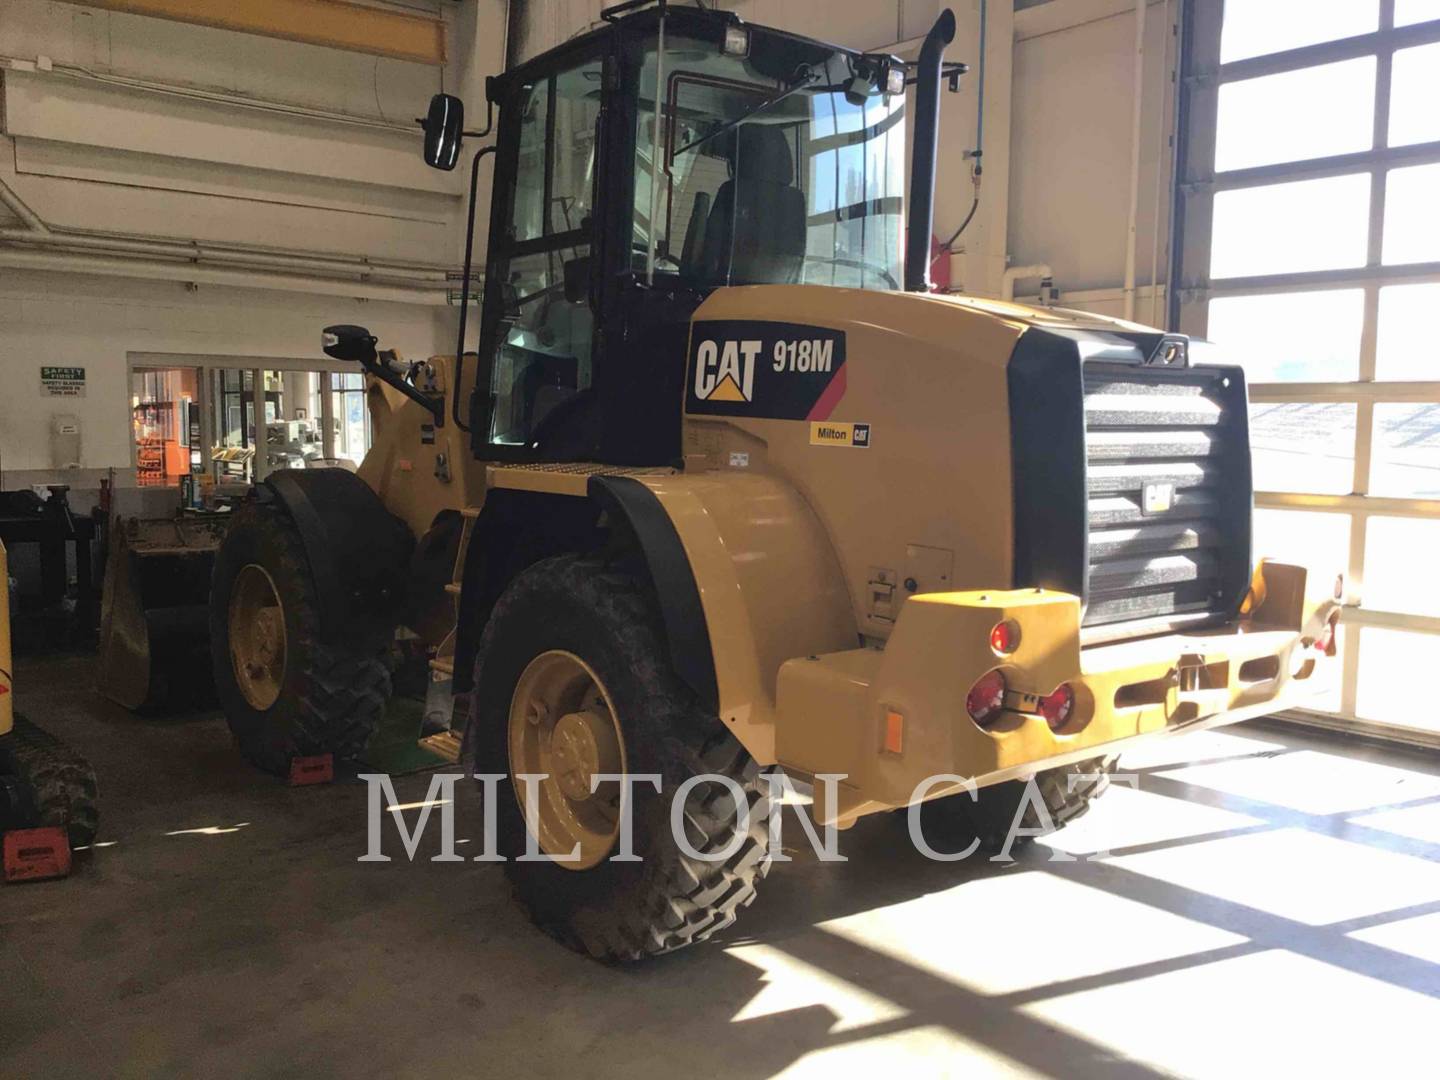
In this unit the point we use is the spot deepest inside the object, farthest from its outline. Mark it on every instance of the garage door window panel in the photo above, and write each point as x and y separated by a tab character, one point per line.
1389	660
1408	347
1405	455
1259	27
1414	90
1273	229
1291	337
1329	109
1412	214
1303	447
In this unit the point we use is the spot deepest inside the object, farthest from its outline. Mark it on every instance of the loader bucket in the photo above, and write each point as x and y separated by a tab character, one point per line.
154	637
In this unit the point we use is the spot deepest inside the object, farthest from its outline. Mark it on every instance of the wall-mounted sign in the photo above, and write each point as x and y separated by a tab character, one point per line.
62	381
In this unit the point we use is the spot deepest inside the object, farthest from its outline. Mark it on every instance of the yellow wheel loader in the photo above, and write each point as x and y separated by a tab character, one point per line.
726	490
43	783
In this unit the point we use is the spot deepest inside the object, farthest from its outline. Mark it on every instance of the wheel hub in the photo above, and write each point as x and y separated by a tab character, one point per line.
257	637
562	725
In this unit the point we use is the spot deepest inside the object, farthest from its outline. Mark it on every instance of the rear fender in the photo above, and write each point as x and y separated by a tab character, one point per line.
357	550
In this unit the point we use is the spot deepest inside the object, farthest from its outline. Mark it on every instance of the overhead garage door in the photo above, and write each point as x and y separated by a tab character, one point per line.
1309	206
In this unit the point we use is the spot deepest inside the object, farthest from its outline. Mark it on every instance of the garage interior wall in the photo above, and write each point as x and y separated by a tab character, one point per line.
122	125
209	192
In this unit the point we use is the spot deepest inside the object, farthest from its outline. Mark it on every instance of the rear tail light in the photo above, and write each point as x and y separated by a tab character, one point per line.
1057	706
986	698
1005	637
1325	643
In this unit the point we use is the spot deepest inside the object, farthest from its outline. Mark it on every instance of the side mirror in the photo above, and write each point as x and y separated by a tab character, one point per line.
443	125
577	280
351	343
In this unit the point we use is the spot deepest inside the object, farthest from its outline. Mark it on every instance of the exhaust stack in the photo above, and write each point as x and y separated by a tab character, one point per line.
922	161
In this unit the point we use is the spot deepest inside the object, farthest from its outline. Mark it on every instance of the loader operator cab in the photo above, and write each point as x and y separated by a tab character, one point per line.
772	159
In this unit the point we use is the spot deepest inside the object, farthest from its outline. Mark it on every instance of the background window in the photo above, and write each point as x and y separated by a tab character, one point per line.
1405	459
1274	229
1303	536
1401	571
1408	347
1257	27
1329	109
1412	214
1291	337
1304	447
1389	660
1414	89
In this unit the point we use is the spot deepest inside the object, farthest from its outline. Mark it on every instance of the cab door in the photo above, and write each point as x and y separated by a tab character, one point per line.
535	397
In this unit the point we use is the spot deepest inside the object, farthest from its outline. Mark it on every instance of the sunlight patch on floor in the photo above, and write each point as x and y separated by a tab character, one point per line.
1415	822
789	984
210	830
1269	1014
930	1051
1025	929
1295	874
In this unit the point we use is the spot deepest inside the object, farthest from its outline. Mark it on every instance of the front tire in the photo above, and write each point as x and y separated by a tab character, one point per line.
287	692
572	609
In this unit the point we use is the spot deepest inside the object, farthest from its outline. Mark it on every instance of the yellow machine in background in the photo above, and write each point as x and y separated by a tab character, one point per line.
42	782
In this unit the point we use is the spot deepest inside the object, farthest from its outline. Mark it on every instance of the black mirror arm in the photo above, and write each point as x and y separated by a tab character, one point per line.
465	281
386	374
489	123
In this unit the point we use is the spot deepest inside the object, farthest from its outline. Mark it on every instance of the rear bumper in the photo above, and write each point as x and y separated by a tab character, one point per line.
836	714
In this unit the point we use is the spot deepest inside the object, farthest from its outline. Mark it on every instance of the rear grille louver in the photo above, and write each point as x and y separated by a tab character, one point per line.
1185	432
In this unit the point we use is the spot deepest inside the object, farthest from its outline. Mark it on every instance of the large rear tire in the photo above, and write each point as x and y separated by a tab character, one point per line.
287	692
590	630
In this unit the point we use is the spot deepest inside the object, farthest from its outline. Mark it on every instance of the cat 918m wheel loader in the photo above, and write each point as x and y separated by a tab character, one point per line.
725	489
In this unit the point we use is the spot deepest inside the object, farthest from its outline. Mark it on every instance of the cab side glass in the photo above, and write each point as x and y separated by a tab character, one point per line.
443	125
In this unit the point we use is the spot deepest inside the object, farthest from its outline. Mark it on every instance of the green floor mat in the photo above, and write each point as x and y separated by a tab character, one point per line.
394	747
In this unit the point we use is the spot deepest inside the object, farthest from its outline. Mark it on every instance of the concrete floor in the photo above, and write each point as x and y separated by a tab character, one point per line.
1271	904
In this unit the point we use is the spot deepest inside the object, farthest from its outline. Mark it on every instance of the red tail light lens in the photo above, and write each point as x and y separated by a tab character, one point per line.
986	698
1325	643
1005	637
1056	707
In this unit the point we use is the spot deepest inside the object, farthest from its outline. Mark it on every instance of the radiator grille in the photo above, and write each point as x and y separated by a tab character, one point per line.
1177	434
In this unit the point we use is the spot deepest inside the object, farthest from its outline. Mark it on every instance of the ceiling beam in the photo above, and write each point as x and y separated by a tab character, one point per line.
337	24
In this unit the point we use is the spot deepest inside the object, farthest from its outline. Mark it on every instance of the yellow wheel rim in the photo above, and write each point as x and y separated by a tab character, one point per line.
257	637
563	725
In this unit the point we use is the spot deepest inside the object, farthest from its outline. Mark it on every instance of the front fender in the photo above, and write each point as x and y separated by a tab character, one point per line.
769	585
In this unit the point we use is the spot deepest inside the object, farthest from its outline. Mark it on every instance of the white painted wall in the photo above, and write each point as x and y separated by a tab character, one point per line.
1070	144
122	126
98	322
234	139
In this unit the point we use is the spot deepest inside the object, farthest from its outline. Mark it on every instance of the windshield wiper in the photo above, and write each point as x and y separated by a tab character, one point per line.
808	78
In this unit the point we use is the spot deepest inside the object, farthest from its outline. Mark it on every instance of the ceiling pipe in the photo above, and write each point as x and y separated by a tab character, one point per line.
34	227
189	272
195	252
1136	119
